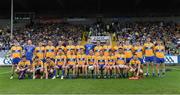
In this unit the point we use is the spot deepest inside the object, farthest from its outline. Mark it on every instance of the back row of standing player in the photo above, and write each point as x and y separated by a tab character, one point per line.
150	52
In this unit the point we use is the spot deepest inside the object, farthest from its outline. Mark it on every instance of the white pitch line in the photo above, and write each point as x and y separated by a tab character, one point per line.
174	68
4	73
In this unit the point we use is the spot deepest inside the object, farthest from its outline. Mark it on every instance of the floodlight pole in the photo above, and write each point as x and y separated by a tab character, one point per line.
12	19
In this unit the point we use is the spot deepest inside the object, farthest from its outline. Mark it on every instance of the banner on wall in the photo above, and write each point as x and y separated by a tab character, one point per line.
168	60
171	59
99	38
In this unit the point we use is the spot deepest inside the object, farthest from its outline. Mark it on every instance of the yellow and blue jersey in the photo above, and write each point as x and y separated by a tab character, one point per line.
16	51
97	49
111	60
91	59
81	58
71	59
78	48
159	51
107	49
120	59
70	48
148	49
101	59
116	48
49	65
60	49
38	64
128	51
138	50
39	52
50	51
24	64
135	62
60	59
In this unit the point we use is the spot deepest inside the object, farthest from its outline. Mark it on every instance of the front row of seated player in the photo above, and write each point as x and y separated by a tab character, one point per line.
88	66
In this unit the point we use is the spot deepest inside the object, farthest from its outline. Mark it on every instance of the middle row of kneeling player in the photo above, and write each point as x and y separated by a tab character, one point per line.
113	65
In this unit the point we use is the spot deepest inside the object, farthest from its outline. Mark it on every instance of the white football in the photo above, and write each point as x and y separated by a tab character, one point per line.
91	68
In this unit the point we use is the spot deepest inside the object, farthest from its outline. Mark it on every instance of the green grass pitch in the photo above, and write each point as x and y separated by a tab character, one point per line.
167	85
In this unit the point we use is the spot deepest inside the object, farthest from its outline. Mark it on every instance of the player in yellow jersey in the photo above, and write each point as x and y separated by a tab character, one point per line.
40	52
79	47
101	61
38	68
107	48
98	48
50	50
135	67
71	64
50	68
118	46
60	61
70	48
128	51
149	56
121	66
23	68
81	63
111	68
91	63
138	50
159	53
16	53
60	48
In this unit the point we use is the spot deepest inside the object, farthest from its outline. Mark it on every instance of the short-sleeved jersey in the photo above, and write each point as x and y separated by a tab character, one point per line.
91	59
107	49
71	59
50	64
23	64
159	51
60	59
97	49
116	48
101	59
78	48
89	47
139	51
16	51
120	59
69	48
81	58
50	51
60	49
111	60
135	62
148	49
39	52
29	51
128	51
38	64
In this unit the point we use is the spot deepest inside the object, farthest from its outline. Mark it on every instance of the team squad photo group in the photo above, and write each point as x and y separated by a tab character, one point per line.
100	61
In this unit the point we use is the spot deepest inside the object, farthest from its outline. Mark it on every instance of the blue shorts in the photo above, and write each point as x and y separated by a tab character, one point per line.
160	60
59	66
43	60
128	60
141	60
16	60
149	59
101	66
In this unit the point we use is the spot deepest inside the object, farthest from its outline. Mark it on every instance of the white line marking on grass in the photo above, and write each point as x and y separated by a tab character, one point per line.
4	73
174	68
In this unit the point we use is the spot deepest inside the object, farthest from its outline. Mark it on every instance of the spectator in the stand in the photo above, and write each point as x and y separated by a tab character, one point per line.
63	31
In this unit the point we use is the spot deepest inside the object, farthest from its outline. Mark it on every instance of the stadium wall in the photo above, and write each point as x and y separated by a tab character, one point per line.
170	60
